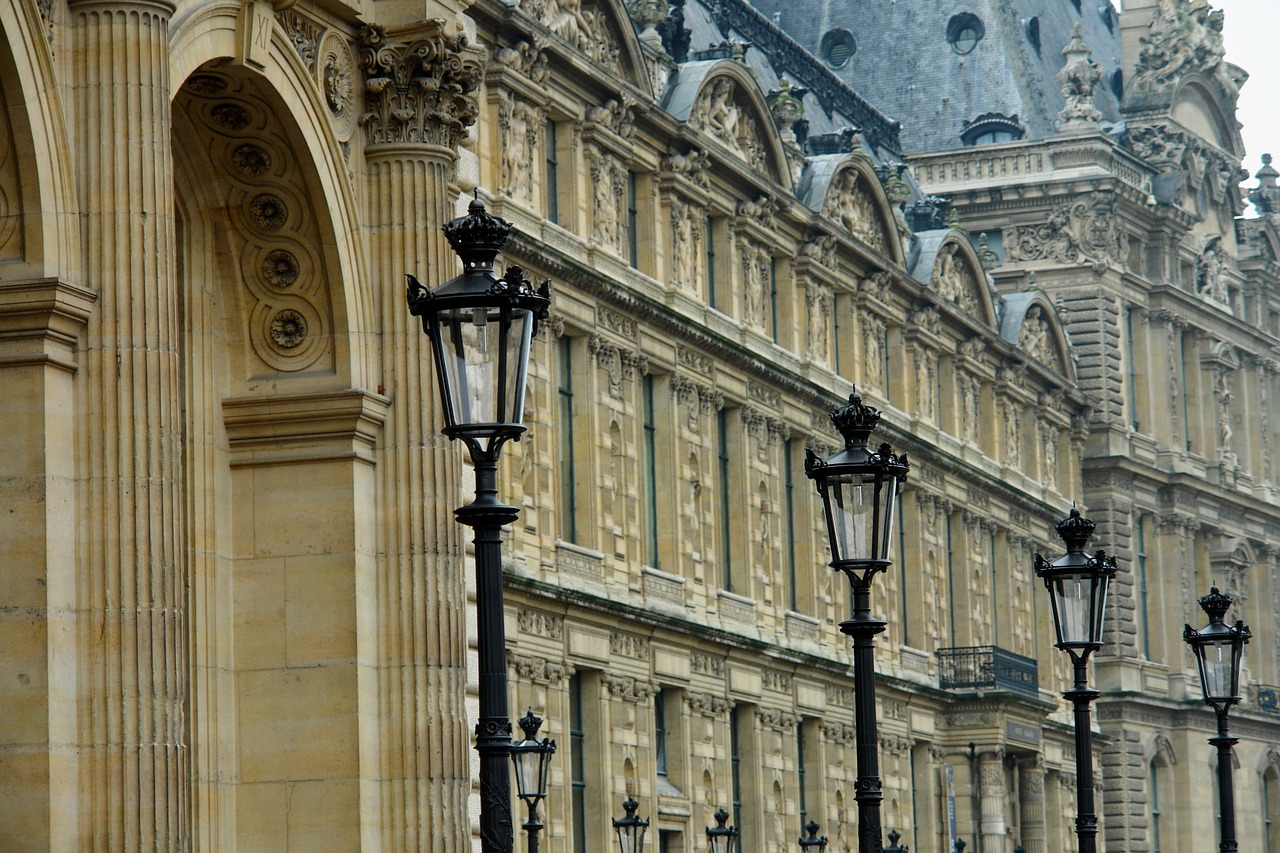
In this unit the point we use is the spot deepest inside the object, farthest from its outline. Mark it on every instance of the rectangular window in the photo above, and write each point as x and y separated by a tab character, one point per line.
837	346
789	507
568	496
901	561
633	221
1133	373
650	476
735	776
886	364
722	479
800	735
660	732
577	765
773	298
1153	782
1140	557
553	177
951	583
1186	392
711	263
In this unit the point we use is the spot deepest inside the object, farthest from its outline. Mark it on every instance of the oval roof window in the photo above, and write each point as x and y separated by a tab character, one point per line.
837	47
964	31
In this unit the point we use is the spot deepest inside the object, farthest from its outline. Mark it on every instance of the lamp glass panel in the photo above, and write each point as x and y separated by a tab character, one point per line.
526	766
631	838
1073	603
544	766
1217	668
485	351
857	521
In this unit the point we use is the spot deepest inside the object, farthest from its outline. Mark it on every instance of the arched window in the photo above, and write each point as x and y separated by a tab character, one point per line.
1271	809
1159	805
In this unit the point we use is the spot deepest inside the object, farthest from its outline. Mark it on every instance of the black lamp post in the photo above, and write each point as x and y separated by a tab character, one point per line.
1077	584
721	838
481	327
859	489
893	846
1218	648
630	829
532	760
812	841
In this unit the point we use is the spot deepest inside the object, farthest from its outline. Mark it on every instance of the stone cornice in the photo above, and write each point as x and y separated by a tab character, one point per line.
291	428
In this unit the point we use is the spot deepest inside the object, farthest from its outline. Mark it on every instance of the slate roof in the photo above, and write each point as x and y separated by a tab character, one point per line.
905	65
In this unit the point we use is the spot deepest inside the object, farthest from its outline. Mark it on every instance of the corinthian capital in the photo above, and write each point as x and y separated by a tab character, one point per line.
421	89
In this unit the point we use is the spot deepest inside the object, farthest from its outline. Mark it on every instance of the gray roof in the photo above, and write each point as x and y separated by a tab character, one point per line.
906	66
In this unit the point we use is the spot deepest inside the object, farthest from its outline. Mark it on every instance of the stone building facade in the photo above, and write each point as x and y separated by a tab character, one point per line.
235	602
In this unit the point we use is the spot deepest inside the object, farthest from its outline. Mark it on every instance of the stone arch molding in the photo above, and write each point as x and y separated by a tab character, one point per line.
308	76
722	99
601	30
39	231
1030	322
1159	746
845	189
945	262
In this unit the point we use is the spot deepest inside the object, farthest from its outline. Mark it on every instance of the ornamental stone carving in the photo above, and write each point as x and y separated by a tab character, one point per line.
720	113
1033	337
954	279
692	164
519	125
1077	80
873	329
608	187
849	202
819	303
420	91
756	270
686	242
1211	275
584	26
1183	37
336	75
302	33
1084	231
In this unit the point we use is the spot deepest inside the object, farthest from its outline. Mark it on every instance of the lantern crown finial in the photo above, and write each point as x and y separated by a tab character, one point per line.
629	805
1075	530
894	835
1215	604
477	237
855	421
529	724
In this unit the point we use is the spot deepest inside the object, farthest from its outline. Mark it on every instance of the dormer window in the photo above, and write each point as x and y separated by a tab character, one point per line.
964	31
990	128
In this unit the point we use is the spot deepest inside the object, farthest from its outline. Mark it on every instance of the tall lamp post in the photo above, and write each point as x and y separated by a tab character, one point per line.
481	328
1218	648
630	828
1077	584
859	490
532	760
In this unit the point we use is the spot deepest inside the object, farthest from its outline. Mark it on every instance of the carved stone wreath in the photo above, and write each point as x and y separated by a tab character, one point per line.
288	328
230	116
207	85
268	211
251	159
280	268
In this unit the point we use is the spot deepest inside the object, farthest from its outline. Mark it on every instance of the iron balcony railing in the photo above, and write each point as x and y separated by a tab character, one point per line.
987	667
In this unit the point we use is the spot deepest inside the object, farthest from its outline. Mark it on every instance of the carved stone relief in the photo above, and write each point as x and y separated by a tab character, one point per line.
584	26
722	112
418	91
873	330
819	303
955	280
1034	339
1179	40
608	189
1084	231
520	128
686	245
756	269
849	202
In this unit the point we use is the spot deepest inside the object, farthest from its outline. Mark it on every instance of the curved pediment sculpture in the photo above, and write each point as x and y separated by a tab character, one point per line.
1031	323
722	99
600	29
845	189
947	263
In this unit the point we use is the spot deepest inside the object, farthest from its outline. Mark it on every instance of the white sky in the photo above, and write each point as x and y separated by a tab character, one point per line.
1252	38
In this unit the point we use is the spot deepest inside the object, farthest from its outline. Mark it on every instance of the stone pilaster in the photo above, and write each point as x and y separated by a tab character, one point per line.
129	596
418	773
1031	805
991	801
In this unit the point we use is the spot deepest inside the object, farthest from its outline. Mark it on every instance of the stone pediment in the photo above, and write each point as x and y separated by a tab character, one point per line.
722	100
945	262
601	30
1031	323
845	189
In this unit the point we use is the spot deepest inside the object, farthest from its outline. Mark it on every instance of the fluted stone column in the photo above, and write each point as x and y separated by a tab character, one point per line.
1031	802
129	592
422	774
991	794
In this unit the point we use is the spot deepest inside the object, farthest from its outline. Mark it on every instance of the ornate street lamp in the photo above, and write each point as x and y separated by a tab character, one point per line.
859	489
481	327
1077	584
721	838
893	846
1218	648
812	841
532	759
630	829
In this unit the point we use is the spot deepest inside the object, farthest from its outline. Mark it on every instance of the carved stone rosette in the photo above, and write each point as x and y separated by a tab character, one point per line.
422	90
